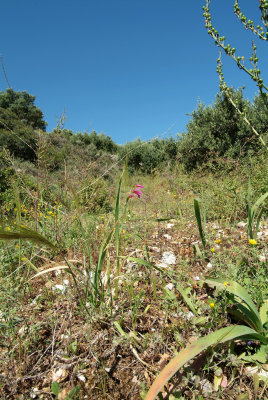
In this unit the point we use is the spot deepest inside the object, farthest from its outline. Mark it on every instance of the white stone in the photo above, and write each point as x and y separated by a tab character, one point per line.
262	258
206	387
81	377
209	265
189	315
261	373
167	236
241	224
61	288
168	258
34	393
169	226
22	330
59	375
170	286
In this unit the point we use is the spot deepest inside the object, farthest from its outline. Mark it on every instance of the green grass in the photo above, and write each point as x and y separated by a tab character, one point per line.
122	315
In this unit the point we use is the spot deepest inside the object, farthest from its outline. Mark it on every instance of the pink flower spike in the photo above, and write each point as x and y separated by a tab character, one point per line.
137	192
131	195
139	186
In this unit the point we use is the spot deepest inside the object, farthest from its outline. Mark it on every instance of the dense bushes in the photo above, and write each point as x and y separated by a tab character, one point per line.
19	120
145	157
218	131
214	133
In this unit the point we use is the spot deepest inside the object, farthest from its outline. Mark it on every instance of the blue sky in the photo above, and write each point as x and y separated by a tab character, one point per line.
126	68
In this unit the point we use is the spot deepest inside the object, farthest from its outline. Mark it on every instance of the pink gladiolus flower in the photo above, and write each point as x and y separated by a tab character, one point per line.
136	192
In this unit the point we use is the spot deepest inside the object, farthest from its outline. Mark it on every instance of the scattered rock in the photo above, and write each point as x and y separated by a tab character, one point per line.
23	330
260	372
209	265
170	286
167	236
62	288
206	387
81	377
34	393
169	226
241	224
59	375
189	315
63	394
263	258
154	248
168	258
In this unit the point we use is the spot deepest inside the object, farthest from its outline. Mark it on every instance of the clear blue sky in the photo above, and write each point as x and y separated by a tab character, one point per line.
128	68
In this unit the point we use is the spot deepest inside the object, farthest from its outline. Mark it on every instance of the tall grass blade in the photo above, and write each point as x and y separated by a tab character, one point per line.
199	223
117	235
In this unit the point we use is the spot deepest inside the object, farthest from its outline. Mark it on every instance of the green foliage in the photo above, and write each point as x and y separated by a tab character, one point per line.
254	214
253	70
21	104
19	118
146	157
218	131
5	175
245	310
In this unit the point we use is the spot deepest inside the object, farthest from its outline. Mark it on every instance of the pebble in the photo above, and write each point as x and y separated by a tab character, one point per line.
241	224
170	286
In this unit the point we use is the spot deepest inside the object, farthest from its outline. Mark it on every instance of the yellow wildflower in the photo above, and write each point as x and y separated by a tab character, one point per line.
225	283
8	228
218	241
252	242
212	305
212	250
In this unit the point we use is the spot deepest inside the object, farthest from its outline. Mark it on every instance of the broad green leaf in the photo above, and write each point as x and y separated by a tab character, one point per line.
73	392
239	291
221	336
264	312
55	387
259	202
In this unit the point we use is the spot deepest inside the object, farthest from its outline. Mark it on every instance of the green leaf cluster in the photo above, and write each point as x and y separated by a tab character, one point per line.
218	131
19	120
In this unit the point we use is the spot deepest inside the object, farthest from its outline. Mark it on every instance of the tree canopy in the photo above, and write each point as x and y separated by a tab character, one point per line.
19	120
